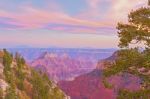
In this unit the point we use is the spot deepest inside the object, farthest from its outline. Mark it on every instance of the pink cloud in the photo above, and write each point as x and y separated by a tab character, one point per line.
93	3
38	18
117	10
30	17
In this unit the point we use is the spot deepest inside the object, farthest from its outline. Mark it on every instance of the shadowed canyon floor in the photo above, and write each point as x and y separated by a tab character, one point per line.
90	85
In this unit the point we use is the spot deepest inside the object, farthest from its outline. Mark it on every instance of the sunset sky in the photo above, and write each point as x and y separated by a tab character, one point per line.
63	23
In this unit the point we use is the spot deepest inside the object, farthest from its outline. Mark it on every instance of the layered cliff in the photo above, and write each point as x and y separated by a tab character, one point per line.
93	86
62	67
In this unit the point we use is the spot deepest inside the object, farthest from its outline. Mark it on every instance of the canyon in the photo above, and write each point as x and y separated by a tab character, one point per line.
63	63
78	72
91	86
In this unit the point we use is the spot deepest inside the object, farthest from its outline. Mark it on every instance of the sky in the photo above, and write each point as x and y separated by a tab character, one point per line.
63	23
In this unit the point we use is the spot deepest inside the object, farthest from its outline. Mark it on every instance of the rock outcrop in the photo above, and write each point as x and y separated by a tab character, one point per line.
19	81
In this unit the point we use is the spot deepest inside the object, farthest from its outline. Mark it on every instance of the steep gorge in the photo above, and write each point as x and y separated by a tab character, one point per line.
92	86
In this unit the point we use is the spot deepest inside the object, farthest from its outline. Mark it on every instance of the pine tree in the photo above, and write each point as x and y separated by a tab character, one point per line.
131	59
11	94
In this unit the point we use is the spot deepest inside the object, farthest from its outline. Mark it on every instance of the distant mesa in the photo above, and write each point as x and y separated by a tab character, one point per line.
62	66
